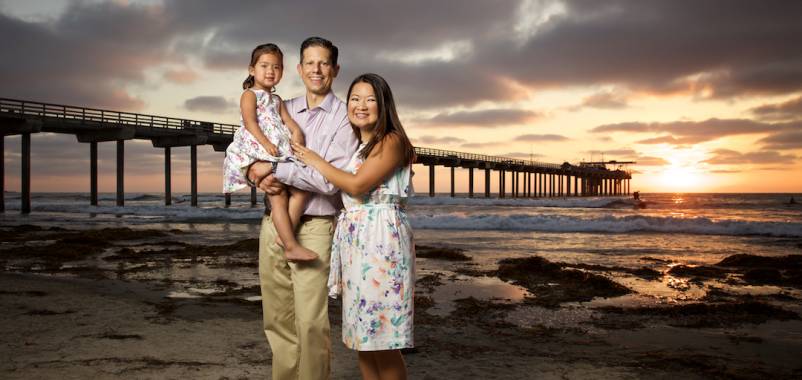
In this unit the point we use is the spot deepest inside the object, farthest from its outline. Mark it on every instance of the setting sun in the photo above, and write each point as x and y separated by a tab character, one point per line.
681	178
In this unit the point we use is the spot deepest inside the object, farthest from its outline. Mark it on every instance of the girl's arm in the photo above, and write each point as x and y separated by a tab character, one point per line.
382	161
295	129
247	105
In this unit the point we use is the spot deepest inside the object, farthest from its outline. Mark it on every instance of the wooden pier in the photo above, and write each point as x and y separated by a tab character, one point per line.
93	126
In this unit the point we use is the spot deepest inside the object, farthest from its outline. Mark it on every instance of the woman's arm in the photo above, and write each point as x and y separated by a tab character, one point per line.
247	105
382	161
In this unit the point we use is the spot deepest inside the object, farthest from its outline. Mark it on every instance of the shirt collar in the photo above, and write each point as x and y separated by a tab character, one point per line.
325	105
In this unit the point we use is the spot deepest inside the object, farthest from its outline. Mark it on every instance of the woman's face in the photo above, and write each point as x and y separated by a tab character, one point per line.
363	108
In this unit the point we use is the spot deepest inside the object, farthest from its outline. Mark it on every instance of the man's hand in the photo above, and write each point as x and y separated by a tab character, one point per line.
271	185
258	171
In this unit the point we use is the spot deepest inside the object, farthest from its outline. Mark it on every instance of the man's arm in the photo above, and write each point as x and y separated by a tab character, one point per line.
338	153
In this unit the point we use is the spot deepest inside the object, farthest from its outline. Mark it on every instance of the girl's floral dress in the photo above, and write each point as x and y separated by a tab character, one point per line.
245	150
373	265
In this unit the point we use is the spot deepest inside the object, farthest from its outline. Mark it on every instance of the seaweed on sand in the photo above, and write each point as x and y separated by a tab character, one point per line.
700	315
442	253
553	284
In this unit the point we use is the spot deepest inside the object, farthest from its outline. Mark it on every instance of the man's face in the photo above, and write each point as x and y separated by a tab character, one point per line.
316	70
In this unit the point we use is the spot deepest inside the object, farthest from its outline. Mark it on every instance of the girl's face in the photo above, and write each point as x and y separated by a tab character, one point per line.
363	108
267	71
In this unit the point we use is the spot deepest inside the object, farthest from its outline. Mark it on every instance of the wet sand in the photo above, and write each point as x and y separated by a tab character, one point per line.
138	303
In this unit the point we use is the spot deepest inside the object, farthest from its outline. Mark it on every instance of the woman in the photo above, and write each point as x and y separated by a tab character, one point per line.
373	258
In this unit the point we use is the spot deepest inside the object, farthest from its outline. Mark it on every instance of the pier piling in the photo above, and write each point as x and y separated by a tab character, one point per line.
26	174
193	157
120	172
470	182
168	196
93	173
2	173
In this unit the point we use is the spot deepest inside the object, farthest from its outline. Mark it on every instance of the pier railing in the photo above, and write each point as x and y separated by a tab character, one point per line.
108	118
481	157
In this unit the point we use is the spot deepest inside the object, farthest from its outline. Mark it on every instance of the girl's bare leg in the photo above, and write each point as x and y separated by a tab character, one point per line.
293	251
391	365
368	366
298	199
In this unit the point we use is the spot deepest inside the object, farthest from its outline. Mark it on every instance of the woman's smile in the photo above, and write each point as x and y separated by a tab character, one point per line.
363	109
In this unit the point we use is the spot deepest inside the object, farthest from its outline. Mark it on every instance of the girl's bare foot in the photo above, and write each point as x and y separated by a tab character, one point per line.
299	253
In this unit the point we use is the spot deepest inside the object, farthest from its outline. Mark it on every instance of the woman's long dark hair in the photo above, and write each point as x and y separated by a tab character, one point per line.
387	122
255	54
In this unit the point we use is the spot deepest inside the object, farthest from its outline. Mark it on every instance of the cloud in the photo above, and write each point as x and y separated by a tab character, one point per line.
650	161
789	110
185	76
483	118
604	100
488	144
783	141
716	49
85	56
457	56
435	140
211	104
691	132
731	157
540	138
627	154
524	155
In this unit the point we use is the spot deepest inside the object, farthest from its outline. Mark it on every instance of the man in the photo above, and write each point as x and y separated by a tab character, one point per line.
294	295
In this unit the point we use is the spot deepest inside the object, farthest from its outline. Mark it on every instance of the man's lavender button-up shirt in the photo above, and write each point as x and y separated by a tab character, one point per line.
328	132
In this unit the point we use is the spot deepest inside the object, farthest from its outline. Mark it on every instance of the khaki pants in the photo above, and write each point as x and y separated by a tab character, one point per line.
294	301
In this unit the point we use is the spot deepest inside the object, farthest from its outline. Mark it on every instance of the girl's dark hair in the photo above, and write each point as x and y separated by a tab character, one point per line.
387	122
257	52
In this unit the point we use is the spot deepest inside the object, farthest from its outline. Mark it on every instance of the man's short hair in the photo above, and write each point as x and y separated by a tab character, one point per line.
322	42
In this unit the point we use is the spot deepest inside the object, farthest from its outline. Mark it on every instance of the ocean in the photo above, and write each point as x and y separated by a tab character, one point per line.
688	229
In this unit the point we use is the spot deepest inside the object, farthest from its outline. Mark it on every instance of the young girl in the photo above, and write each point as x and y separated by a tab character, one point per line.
266	132
372	255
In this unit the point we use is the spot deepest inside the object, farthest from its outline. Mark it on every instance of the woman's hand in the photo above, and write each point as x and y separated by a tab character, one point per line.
306	155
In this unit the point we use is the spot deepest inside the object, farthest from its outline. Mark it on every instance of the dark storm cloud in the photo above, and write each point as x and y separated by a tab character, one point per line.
783	140
730	48
731	157
212	104
744	46
691	132
789	110
85	56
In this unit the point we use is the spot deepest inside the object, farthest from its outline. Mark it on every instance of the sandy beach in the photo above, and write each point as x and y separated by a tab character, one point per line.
144	303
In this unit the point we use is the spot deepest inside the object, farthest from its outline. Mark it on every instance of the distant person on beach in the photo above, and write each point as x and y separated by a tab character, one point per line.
373	256
265	135
294	294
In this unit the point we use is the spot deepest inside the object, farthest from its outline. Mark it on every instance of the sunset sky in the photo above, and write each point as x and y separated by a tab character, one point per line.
705	95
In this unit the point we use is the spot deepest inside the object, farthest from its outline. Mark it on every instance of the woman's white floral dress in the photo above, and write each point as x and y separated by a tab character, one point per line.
245	150
373	265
